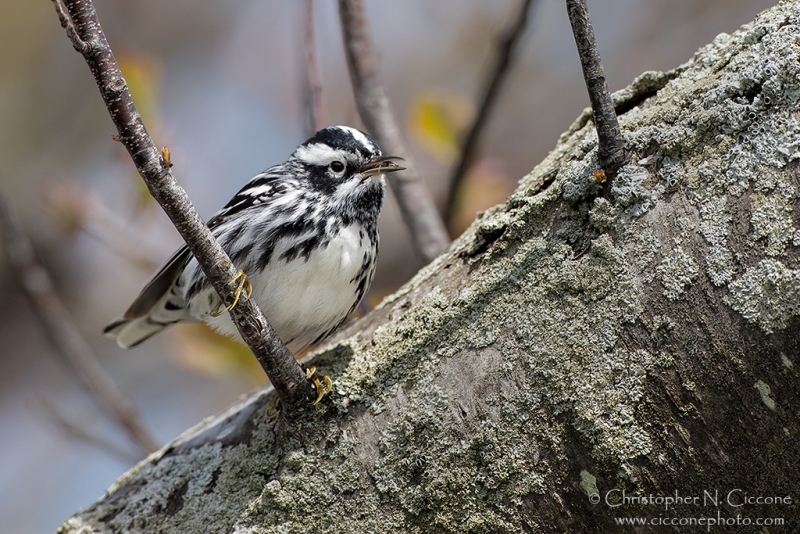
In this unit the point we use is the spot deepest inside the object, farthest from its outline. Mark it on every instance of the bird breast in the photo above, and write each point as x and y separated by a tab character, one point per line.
306	296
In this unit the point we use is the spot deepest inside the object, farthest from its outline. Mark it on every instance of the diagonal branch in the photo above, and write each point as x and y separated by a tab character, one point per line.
507	46
64	335
83	27
428	233
78	210
77	431
611	151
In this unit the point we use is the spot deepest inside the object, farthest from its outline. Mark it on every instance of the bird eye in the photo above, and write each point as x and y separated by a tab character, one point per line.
337	166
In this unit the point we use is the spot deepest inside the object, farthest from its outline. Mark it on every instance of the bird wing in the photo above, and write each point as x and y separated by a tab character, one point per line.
263	187
159	284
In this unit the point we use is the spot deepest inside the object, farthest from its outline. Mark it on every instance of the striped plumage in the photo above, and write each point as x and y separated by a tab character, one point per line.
306	234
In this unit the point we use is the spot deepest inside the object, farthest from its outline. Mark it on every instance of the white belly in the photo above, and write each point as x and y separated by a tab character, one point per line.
302	299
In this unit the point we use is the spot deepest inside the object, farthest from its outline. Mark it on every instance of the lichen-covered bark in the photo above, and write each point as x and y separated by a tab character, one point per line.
572	342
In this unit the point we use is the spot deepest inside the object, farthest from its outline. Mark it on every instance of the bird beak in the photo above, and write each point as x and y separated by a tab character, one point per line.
379	165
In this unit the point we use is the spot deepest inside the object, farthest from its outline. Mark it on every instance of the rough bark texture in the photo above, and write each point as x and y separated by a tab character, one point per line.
566	345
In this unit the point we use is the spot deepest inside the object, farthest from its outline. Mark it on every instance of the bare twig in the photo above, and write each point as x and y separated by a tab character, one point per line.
507	45
121	243
611	151
428	233
64	335
286	375
313	77
78	432
78	210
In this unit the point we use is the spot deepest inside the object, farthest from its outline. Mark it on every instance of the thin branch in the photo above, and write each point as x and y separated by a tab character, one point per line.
313	77
428	233
79	210
611	151
64	335
121	243
286	375
76	431
81	46
507	46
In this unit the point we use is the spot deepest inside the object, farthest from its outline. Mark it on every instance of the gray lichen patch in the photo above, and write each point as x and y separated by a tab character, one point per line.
589	483
487	466
606	405
577	180
180	490
715	227
677	271
735	132
566	315
629	191
768	295
302	498
604	214
772	219
766	394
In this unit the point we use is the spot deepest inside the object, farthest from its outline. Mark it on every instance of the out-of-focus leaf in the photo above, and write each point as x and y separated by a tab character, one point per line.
437	120
485	185
67	204
143	74
203	350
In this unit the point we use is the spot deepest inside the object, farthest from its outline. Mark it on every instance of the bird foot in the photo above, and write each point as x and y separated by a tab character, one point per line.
322	384
243	291
274	407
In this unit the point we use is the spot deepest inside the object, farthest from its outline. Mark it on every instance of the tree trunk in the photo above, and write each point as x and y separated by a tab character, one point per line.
578	341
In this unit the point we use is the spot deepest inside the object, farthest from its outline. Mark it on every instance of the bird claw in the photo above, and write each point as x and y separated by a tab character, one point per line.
274	407
243	291
323	384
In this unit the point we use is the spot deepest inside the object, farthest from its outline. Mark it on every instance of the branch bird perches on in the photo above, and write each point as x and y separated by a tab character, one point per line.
79	19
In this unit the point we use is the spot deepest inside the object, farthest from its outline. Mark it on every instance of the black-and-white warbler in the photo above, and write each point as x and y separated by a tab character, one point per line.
305	232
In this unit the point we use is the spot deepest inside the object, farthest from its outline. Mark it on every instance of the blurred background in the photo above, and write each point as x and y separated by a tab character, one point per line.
221	83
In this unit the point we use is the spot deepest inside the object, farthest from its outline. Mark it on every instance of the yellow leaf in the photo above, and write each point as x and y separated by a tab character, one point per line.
143	75
437	121
203	350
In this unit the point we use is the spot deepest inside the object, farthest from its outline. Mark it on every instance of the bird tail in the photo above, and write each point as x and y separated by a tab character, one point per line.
156	308
130	331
